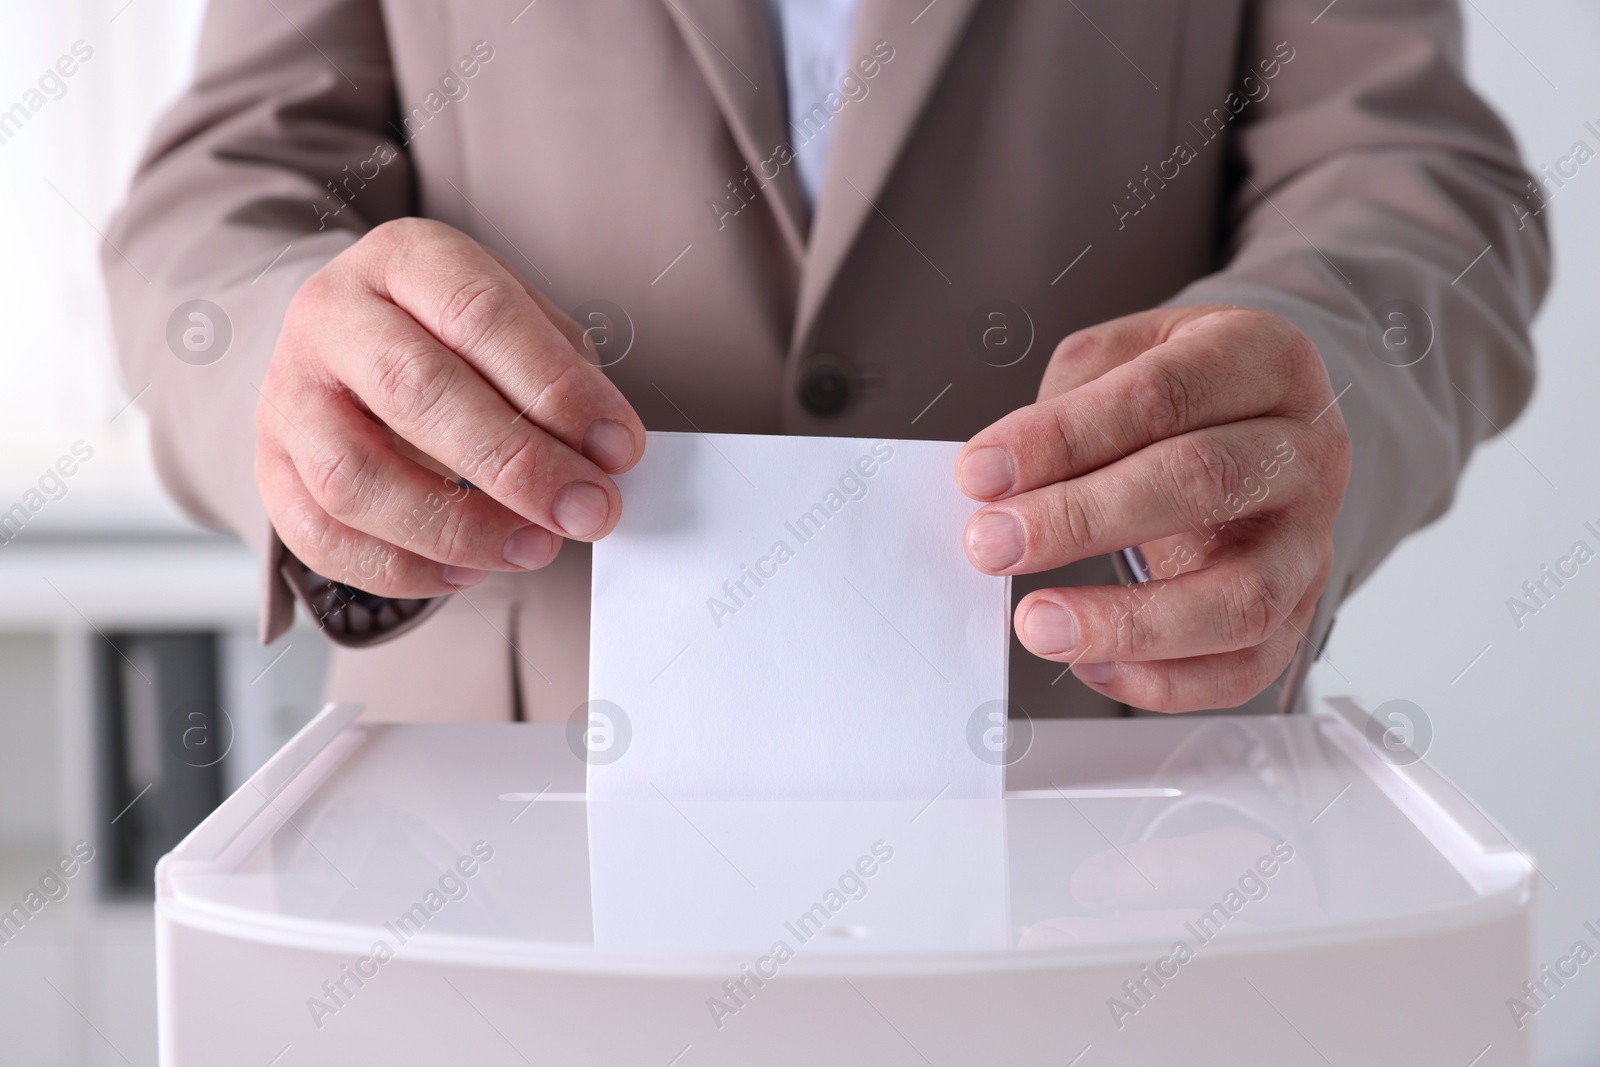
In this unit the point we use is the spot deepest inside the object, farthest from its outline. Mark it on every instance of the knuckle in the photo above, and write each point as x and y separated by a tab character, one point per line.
407	381
1338	451
368	568
309	302
472	309
513	469
1133	630
456	540
324	546
266	416
283	389
339	478
313	539
1076	345
1249	610
1300	351
557	392
1301	371
396	234
1161	401
415	520
1202	475
1339	437
1061	438
1073	524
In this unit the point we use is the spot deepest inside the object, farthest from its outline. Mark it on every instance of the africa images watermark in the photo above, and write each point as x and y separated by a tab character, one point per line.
453	88
853	87
852	885
52	485
1250	888
851	486
51	85
452	885
1254	89
1538	592
1567	167
375	558
1552	978
52	887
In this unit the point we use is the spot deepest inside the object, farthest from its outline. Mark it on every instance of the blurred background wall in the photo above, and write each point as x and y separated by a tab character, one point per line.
1512	709
107	585
107	594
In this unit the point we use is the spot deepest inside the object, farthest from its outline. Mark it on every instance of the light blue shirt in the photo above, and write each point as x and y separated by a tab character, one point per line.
814	38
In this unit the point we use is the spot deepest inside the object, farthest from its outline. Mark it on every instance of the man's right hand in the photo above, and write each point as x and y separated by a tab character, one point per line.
418	352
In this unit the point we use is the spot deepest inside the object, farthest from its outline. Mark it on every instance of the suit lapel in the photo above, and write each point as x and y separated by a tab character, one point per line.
732	42
870	133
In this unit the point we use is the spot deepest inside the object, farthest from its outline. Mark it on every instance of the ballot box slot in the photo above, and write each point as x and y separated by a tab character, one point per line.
1111	837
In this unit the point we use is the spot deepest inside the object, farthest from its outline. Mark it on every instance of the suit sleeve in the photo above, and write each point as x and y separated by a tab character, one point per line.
281	153
1380	206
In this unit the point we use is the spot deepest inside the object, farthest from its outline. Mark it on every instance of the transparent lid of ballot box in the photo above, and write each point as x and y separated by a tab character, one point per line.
474	842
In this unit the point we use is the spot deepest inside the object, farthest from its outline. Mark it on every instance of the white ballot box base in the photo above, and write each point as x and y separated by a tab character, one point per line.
1228	890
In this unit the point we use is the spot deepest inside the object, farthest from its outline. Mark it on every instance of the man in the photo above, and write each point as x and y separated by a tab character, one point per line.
1179	271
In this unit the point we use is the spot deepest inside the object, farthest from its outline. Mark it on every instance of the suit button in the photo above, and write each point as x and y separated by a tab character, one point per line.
826	383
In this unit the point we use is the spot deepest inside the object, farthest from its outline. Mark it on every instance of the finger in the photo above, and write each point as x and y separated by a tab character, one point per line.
463	296
575	335
1238	602
335	551
1214	371
1197	482
1086	354
438	402
352	470
1225	680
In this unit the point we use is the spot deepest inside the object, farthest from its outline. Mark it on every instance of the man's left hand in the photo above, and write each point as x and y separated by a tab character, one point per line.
1208	436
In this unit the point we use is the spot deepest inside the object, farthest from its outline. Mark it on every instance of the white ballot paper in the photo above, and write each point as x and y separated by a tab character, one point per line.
793	618
826	878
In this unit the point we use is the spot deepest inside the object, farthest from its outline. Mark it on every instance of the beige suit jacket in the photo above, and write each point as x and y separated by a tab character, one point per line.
1054	163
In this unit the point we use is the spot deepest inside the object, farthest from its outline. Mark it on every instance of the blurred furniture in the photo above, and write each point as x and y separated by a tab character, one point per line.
110	643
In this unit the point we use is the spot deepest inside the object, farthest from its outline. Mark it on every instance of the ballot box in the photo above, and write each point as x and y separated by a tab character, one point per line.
1197	890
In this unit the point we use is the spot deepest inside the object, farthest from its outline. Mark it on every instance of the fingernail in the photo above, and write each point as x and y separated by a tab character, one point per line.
580	509
528	547
608	444
986	473
461	577
1050	628
995	540
1098	673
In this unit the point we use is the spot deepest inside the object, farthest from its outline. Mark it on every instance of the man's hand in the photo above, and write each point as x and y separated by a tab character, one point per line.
1209	437
416	358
